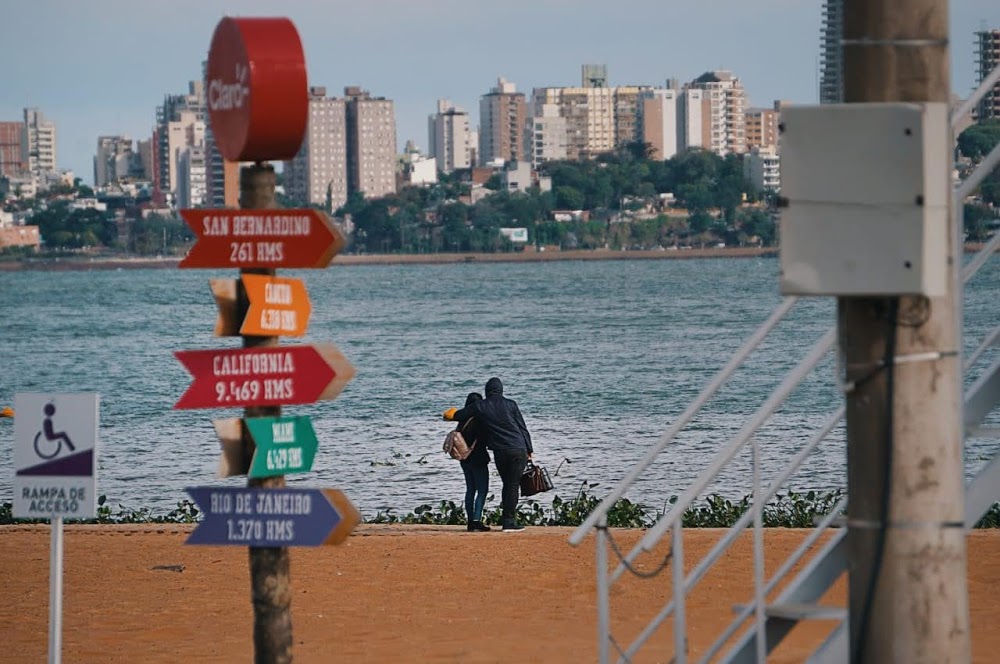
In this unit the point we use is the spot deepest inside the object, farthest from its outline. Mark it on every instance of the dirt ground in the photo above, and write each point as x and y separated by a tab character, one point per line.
391	594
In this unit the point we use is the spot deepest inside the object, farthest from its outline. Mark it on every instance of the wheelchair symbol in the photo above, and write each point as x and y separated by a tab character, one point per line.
53	442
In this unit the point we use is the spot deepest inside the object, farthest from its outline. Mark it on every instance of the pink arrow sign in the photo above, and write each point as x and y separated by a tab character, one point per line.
271	376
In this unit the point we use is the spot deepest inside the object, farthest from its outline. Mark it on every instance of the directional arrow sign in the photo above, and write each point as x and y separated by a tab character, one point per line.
272	517
283	445
261	238
278	306
270	376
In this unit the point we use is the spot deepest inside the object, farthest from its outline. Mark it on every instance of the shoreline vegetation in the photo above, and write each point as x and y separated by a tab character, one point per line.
791	509
123	262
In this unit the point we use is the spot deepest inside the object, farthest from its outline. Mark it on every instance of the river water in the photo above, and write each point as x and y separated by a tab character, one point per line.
601	356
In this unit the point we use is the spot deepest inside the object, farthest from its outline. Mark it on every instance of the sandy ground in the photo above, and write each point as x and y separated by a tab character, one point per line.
391	594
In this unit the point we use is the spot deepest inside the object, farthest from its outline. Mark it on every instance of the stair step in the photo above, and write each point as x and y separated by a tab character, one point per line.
800	611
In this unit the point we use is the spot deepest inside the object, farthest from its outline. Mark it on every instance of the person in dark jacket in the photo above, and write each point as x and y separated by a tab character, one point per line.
476	467
500	420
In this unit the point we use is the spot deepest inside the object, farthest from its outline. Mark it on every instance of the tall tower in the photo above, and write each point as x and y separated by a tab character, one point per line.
38	145
726	111
988	59
449	139
502	117
11	155
317	174
831	87
371	143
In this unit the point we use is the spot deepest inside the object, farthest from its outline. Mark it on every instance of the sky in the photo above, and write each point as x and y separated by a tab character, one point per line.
100	67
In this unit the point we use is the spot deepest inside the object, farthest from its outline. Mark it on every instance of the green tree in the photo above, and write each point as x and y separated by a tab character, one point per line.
977	141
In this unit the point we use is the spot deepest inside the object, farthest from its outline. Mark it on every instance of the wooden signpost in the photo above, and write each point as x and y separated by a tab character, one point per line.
258	110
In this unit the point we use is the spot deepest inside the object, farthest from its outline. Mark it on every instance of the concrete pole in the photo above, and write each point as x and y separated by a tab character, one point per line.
270	578
916	610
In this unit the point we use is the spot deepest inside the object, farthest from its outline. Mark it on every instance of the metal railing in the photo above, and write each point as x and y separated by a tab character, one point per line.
672	520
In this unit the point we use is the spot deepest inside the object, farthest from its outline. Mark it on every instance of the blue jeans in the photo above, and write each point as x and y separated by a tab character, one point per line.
477	483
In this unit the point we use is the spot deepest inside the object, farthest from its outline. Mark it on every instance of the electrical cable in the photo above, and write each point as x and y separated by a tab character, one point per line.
888	363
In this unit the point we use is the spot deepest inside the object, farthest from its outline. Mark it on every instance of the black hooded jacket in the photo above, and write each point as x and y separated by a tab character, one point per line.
499	418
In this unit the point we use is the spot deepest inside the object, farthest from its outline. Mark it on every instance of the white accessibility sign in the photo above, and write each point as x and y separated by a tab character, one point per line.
55	455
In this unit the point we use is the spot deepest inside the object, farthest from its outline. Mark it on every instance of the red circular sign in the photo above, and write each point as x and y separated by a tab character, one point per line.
258	101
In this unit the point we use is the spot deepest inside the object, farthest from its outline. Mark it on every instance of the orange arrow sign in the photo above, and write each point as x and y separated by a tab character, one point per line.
278	307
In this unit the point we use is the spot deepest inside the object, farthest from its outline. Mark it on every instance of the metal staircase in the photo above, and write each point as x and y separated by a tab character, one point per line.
770	621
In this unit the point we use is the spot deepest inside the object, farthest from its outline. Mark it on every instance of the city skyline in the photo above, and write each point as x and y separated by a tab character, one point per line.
116	60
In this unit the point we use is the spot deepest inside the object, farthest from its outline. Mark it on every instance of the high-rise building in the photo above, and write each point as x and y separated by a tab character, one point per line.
11	157
191	176
145	150
831	85
590	118
988	59
762	167
38	142
762	126
317	174
627	113
371	143
116	160
187	110
548	135
693	115
222	177
726	111
659	122
502	118
449	140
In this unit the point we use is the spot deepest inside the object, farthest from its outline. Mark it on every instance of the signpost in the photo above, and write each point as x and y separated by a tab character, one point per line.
258	110
277	306
55	471
270	376
302	238
272	517
282	445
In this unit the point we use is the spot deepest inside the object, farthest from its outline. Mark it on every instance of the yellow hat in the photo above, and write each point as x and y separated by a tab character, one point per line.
450	413
7	411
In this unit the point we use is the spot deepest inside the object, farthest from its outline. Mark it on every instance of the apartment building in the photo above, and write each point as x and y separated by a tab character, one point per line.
626	113
762	167
659	122
988	59
116	159
11	156
191	176
547	141
726	110
762	126
371	143
222	185
589	114
693	126
449	138
831	84
318	173
179	120
38	143
502	124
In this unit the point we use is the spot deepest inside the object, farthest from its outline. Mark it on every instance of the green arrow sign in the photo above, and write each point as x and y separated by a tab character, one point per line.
284	445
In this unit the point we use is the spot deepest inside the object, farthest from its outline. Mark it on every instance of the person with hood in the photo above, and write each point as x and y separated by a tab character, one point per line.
476	468
500	420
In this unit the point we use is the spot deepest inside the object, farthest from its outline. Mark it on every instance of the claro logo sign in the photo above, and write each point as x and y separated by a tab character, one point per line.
226	96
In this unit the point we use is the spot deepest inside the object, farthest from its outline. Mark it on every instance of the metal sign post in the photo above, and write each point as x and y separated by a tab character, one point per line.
55	454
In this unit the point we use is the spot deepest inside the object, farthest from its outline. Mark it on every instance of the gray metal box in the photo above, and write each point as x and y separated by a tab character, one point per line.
866	195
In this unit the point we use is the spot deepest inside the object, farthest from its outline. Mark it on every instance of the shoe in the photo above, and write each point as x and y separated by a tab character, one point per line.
471	526
480	527
515	528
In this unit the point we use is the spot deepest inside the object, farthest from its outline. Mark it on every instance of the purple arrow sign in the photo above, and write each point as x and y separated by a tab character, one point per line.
272	517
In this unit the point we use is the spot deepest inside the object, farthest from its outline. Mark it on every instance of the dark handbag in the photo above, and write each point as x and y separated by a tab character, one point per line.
535	480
